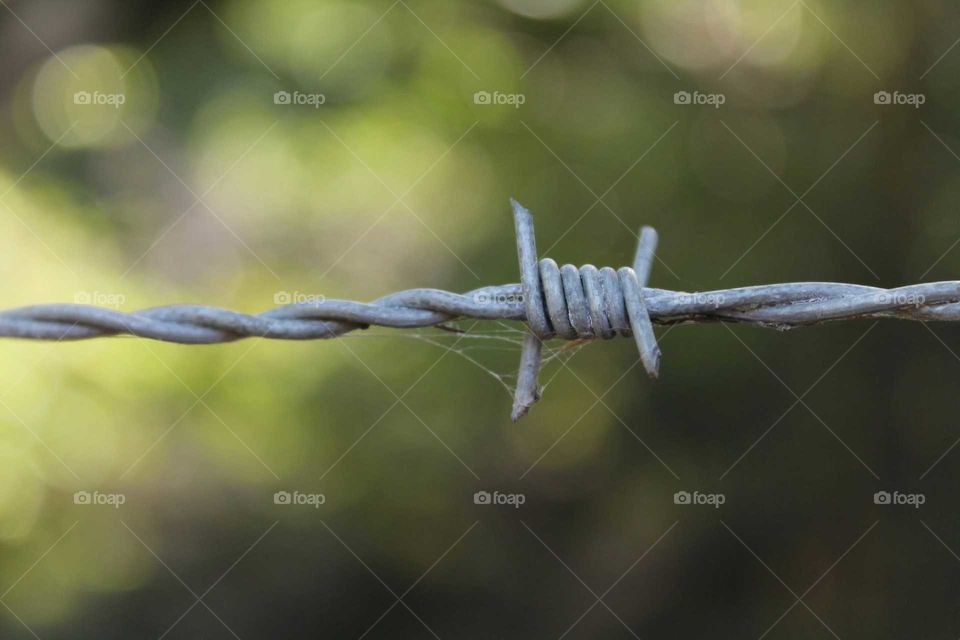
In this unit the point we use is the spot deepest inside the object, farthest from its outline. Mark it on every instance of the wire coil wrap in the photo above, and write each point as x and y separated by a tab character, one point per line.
571	303
581	303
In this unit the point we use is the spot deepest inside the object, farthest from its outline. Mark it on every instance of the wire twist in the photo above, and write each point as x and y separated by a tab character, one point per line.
564	302
571	303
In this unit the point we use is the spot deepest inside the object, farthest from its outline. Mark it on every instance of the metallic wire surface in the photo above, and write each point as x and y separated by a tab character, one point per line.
564	302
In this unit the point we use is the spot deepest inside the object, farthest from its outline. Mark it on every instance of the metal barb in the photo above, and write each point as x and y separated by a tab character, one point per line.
564	302
572	304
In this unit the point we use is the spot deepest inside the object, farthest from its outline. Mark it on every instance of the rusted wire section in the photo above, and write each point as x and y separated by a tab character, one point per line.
563	302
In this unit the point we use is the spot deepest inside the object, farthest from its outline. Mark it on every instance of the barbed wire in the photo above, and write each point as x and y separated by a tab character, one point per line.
563	302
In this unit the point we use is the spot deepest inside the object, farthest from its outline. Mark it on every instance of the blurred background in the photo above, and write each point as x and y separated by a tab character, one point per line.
246	154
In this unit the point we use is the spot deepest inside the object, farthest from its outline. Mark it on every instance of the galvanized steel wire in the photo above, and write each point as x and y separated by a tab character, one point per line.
564	302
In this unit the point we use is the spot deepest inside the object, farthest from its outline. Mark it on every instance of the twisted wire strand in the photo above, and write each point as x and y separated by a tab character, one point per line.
199	324
778	306
564	302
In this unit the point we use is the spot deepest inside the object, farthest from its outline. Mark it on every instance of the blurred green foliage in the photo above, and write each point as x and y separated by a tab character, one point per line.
201	187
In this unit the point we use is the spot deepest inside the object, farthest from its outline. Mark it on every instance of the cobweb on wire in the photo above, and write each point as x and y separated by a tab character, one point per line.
471	344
